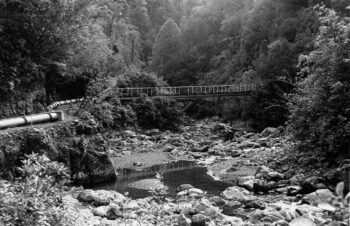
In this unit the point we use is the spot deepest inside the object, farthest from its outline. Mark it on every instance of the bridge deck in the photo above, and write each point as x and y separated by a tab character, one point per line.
186	92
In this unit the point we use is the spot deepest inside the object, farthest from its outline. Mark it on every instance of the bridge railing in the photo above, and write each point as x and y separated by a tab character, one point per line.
186	90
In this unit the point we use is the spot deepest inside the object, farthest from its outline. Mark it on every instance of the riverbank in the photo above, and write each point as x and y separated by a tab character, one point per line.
271	185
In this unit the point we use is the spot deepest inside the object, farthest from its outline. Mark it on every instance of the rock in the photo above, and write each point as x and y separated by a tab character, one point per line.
326	206
152	132
106	222
183	221
267	215
263	186
86	196
281	223
101	211
293	190
302	221
195	190
248	144
212	212
319	196
184	187
198	220
149	185
130	134
197	155
308	209
182	193
131	204
270	131
137	164
266	173
216	200
236	194
297	179
312	184
230	207
114	212
100	200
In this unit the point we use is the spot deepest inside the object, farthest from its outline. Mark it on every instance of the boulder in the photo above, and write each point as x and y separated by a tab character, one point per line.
263	186
184	187
230	207
312	184
217	201
198	220
266	173
302	221
237	194
101	211
293	190
86	196
183	221
319	196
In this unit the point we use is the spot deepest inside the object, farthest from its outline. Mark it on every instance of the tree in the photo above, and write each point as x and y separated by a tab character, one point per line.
167	43
320	114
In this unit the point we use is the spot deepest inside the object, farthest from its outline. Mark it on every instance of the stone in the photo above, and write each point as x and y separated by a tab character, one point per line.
230	207
198	220
236	194
269	131
266	173
293	190
130	134
281	223
195	190
246	182
302	221
312	184
183	221
184	187
86	196
297	179
308	209
101	211
326	206
131	204
319	196
217	201
262	186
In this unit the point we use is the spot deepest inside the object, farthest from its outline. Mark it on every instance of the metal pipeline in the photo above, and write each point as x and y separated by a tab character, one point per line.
31	119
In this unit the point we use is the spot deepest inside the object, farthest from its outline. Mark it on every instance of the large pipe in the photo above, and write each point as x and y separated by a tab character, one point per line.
32	119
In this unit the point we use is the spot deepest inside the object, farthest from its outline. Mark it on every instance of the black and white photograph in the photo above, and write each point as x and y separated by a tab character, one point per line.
174	112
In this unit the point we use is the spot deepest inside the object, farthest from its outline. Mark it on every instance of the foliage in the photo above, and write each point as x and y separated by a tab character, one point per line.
167	43
134	77
320	114
35	197
161	113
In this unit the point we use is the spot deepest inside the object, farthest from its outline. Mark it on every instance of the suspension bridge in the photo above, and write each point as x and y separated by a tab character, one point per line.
58	110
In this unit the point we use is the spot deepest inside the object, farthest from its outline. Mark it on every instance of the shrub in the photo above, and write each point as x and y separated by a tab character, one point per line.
161	113
35	197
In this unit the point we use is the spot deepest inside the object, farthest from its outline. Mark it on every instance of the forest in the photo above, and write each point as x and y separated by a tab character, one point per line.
299	50
296	51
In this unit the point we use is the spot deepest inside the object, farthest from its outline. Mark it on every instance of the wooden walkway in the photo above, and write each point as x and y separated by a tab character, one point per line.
187	92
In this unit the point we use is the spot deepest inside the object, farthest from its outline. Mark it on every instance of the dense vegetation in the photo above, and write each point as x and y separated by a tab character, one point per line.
299	50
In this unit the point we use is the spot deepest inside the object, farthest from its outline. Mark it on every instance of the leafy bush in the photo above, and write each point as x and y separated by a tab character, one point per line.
161	113
320	113
35	197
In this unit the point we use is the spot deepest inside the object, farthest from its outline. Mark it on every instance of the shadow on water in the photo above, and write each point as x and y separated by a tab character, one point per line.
172	175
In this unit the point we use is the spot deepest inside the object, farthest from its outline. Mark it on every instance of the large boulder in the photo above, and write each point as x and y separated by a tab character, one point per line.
266	173
319	196
237	194
312	184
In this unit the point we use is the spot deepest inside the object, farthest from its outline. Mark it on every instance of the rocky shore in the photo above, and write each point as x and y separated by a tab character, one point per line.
271	185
